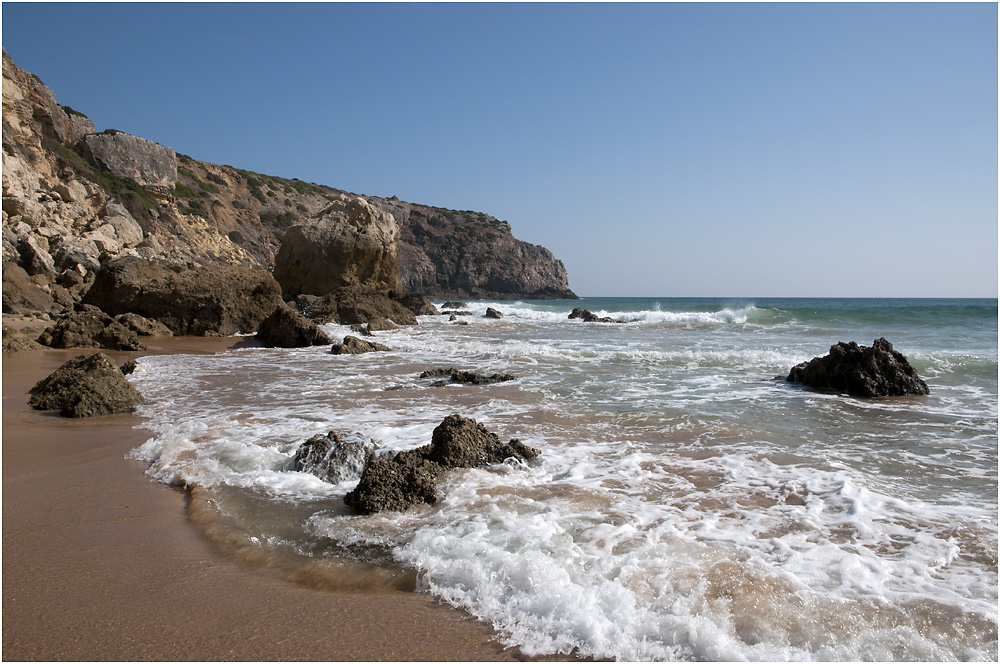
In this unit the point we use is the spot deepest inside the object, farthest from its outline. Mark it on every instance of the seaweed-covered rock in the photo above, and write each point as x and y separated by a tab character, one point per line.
333	457
410	478
287	328
355	346
89	327
85	386
861	371
453	375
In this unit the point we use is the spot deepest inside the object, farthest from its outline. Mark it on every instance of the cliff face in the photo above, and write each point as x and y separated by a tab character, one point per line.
74	199
464	254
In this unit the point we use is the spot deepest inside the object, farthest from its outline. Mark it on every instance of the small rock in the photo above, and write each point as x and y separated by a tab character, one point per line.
492	313
465	377
355	346
333	457
454	305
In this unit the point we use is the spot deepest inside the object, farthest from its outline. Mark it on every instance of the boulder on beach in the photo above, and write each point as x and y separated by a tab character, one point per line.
214	300
354	346
457	376
287	328
333	457
89	327
85	386
861	371
410	478
492	313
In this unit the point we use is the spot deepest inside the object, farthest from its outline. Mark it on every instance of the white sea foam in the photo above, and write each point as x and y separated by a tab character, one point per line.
686	504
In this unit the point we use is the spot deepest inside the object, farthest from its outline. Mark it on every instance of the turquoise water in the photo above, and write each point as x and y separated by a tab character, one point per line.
689	503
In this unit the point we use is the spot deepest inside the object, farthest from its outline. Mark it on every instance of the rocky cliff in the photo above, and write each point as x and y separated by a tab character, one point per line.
75	199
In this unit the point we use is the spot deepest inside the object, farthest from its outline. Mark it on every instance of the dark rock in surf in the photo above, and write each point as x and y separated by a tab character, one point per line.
861	371
333	457
287	328
418	304
454	305
410	478
86	386
587	317
492	313
452	375
355	346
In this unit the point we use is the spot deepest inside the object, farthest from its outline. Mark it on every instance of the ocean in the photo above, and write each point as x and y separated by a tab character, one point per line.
689	503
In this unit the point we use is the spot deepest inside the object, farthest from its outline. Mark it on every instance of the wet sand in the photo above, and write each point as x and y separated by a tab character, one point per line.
102	563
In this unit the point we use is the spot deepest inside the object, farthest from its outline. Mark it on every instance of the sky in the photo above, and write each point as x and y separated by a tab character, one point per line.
657	149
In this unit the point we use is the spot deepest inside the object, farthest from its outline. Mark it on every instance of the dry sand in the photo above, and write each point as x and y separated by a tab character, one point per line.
101	563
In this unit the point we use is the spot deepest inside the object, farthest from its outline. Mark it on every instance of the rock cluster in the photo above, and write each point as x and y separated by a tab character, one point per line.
89	327
455	376
85	386
410	478
861	371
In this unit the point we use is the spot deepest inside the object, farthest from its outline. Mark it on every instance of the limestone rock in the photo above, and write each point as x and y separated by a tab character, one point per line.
350	243
214	300
151	165
287	328
85	386
355	346
333	457
90	328
861	371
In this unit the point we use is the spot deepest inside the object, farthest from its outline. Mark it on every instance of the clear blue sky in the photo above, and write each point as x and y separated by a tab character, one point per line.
657	149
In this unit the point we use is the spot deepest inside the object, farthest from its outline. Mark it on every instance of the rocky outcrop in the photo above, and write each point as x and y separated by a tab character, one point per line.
151	165
23	296
587	317
89	327
354	346
333	457
410	478
349	243
143	326
470	255
85	386
418	304
287	328
214	300
456	376
861	371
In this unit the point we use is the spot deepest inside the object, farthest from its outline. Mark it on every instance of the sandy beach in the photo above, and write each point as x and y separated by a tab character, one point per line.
102	563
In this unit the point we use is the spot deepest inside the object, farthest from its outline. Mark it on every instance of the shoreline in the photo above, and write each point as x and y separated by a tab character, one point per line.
103	563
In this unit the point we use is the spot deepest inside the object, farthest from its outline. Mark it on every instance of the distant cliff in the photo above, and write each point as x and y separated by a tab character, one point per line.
74	199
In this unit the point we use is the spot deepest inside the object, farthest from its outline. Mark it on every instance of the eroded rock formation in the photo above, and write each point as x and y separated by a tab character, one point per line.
862	371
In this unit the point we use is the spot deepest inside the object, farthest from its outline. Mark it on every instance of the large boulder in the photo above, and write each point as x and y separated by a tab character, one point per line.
333	457
350	243
151	165
410	478
861	371
287	328
359	304
85	386
21	295
214	300
89	327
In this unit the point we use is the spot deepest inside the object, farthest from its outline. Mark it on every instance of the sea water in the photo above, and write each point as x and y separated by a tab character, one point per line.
688	503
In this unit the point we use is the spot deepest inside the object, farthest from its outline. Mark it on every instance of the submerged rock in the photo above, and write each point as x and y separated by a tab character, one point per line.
85	386
333	457
861	371
287	328
410	478
355	346
465	377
